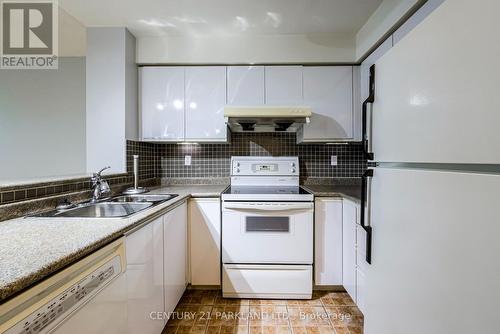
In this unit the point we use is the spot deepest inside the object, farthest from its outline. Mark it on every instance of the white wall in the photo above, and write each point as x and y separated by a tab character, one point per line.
111	97
246	49
380	22
42	121
131	89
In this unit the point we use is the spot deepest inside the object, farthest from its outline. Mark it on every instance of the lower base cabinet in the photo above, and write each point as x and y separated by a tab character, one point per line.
175	252
205	241
328	241
144	249
349	216
340	247
354	259
156	270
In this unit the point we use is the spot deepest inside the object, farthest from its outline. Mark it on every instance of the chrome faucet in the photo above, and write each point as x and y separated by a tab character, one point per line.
99	186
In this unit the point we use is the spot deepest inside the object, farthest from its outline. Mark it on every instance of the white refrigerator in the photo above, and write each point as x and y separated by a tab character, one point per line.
433	202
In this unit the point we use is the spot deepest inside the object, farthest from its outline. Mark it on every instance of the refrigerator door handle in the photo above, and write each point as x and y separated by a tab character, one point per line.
363	216
369	99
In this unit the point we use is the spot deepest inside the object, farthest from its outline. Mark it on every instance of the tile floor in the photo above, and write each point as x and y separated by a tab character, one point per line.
206	312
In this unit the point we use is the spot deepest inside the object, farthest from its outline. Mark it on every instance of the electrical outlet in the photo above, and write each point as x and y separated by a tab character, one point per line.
187	160
333	160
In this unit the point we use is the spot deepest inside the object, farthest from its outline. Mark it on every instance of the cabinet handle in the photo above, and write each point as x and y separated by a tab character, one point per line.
362	218
369	99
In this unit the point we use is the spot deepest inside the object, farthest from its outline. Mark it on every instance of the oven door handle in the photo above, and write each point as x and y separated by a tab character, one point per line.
268	207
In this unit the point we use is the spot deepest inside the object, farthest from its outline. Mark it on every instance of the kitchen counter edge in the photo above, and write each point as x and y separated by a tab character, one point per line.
19	280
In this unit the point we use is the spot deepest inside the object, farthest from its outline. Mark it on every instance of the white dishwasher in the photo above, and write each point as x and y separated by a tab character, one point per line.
87	297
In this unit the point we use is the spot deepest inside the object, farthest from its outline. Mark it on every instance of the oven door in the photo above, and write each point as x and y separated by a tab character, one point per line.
267	232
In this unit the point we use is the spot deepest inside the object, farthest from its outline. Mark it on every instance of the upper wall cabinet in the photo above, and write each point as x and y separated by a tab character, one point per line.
187	103
205	100
283	85
328	91
183	103
245	85
162	103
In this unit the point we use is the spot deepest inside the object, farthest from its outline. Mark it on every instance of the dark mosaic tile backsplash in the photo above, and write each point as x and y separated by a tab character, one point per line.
149	162
214	160
209	161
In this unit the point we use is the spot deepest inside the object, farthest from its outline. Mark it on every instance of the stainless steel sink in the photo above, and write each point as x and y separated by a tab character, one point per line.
142	198
113	207
103	210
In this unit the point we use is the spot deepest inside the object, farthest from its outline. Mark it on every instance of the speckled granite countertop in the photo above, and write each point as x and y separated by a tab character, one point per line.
33	248
352	192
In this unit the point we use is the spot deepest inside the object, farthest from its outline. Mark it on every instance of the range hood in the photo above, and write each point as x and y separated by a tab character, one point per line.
266	118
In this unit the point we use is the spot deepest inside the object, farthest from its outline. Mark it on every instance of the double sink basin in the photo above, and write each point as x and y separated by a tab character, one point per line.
114	207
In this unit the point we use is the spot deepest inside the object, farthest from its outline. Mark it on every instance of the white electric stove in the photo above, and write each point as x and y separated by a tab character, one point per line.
267	230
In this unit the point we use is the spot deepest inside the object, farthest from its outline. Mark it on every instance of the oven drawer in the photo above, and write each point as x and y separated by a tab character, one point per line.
267	281
274	233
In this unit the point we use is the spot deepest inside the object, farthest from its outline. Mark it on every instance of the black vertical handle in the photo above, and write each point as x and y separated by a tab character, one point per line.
369	99
362	218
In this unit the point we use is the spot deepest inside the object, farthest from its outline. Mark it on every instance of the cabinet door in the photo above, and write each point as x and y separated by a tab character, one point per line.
245	85
162	103
204	241
328	90
349	247
205	100
328	241
175	252
283	85
144	249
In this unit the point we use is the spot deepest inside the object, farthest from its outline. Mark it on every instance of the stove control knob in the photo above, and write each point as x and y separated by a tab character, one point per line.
293	164
293	170
237	170
237	164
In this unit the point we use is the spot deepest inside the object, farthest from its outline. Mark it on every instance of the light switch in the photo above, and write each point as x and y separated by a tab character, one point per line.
333	161
187	160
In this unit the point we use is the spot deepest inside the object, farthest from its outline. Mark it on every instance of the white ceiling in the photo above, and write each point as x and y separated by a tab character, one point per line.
224	17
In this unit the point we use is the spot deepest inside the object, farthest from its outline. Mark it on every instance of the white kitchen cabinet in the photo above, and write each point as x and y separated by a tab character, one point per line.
205	100
349	212
283	85
328	90
175	252
328	241
205	241
162	103
245	85
144	251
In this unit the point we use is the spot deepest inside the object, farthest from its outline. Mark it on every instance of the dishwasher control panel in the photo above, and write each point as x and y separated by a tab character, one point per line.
63	304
